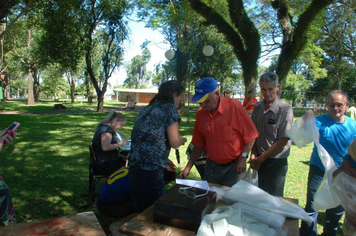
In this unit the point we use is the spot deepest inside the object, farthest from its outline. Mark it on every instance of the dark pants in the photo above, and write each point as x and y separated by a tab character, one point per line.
221	174
148	186
272	175
118	209
201	170
333	215
107	167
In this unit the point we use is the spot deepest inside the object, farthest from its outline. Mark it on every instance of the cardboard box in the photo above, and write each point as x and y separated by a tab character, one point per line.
178	210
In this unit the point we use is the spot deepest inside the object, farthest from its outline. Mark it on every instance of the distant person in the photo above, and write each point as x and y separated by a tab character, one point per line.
249	102
336	131
227	93
155	132
7	212
200	163
273	118
115	199
106	143
224	131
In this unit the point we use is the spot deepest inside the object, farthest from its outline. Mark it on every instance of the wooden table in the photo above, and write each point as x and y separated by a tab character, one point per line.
81	224
144	225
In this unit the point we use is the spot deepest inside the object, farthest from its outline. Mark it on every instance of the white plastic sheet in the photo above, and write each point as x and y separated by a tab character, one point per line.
274	220
227	221
303	132
251	195
250	176
344	187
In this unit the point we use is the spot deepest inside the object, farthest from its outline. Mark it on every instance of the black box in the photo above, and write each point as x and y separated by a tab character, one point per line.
178	210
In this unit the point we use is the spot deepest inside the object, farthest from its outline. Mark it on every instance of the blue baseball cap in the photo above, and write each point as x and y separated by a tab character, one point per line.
203	88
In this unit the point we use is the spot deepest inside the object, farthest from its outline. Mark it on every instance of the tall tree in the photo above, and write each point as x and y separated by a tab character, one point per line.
99	27
243	33
137	71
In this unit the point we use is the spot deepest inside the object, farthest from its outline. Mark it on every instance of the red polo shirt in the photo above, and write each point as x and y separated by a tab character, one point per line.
224	134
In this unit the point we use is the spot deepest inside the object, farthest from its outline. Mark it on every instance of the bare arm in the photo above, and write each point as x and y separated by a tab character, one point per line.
106	144
173	136
276	148
241	161
346	167
196	152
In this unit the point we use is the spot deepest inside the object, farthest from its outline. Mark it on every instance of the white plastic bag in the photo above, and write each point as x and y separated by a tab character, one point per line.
251	195
250	176
325	198
344	186
303	132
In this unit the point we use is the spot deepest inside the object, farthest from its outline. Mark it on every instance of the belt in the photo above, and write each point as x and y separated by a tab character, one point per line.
227	164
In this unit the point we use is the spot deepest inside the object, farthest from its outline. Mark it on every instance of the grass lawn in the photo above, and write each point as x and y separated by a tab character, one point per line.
46	168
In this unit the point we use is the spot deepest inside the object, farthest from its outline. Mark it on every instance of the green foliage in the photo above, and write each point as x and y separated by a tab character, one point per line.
137	74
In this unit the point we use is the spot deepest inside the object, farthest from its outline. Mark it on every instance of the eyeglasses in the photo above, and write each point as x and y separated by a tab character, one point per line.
338	105
188	191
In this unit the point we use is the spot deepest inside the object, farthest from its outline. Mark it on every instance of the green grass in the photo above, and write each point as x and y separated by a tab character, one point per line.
46	167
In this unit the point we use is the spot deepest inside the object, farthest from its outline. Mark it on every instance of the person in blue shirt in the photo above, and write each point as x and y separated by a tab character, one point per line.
115	199
155	132
336	131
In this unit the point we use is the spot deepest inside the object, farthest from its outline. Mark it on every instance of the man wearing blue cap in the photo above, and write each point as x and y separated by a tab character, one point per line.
224	130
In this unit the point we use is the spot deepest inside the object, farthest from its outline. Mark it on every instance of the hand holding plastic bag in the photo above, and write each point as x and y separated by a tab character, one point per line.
250	176
303	132
344	186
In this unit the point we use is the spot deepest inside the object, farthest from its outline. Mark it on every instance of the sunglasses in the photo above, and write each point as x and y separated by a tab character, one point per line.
188	191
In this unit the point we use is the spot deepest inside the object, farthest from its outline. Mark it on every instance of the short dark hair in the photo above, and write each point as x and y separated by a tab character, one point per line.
250	91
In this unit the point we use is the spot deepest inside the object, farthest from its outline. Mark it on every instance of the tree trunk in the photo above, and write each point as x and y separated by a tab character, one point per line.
36	84
30	100
100	105
7	87
72	88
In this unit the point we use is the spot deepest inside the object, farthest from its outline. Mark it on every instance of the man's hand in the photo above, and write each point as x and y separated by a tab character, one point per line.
255	162
170	166
351	219
346	167
184	173
241	164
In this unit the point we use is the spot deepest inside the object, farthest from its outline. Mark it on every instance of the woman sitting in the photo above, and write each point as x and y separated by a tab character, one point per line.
106	143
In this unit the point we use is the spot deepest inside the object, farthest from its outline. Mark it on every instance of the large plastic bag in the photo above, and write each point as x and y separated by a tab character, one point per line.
303	132
251	195
250	176
274	220
344	187
227	221
325	198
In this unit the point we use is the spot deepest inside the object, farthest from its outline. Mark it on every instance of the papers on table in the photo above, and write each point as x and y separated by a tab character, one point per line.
127	147
202	184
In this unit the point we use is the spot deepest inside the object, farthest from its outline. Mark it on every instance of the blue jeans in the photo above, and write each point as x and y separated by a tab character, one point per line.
333	215
148	186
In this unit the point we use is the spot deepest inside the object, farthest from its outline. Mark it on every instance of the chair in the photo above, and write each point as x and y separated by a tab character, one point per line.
130	106
93	178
